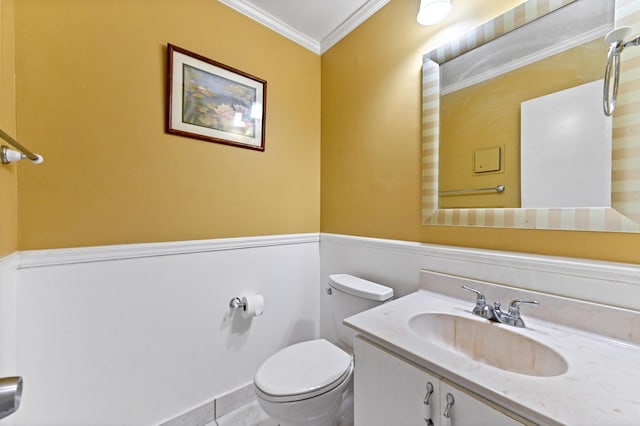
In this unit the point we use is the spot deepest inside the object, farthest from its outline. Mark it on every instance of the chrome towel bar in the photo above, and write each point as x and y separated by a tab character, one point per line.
9	155
499	188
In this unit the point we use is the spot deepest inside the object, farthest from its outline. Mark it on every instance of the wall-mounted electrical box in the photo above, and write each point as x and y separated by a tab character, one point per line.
487	160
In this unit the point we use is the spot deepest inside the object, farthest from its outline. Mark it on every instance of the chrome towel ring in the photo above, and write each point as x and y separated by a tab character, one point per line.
615	40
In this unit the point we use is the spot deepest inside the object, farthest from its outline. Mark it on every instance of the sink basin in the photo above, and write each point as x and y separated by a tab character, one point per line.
489	343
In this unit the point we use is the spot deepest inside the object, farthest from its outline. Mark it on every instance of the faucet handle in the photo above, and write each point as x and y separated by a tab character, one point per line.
514	310
514	307
479	295
481	301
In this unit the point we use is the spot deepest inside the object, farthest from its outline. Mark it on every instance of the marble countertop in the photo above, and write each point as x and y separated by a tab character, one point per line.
600	387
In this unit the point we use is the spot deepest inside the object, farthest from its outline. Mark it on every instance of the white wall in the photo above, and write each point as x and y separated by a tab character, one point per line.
137	334
397	264
8	315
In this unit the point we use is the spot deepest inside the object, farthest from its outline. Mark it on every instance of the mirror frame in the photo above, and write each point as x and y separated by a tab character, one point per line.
624	213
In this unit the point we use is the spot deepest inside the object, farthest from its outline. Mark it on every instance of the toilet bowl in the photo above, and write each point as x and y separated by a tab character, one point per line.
311	383
304	384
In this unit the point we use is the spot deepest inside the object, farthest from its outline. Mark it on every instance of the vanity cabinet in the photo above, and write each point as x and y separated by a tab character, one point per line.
389	390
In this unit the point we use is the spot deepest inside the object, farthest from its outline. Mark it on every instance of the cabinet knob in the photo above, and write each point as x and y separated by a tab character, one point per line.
447	410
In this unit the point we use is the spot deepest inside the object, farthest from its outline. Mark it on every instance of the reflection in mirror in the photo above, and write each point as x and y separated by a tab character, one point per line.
482	106
480	127
484	132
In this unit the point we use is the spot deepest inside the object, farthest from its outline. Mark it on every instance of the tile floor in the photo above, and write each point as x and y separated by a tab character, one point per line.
247	415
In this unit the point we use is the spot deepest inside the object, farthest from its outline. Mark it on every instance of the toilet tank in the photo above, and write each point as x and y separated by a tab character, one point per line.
350	295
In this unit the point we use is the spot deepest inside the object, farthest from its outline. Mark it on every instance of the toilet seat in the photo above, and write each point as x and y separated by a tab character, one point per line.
302	371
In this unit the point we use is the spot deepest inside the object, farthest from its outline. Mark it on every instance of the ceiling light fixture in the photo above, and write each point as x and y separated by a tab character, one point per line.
433	11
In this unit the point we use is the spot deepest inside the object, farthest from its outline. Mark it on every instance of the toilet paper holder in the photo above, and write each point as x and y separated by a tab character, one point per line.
236	303
10	395
248	306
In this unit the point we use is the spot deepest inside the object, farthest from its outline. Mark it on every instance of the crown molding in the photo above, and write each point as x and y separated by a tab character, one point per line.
316	46
358	17
274	24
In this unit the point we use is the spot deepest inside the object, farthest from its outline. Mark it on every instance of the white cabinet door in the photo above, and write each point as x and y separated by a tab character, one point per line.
467	410
389	391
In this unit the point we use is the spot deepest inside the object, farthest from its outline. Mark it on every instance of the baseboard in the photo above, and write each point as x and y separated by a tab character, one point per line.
210	411
201	415
233	400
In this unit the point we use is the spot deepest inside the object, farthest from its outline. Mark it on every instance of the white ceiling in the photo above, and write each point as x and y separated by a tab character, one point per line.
315	24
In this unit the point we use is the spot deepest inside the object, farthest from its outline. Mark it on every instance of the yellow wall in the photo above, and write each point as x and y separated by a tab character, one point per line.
8	179
371	141
91	100
487	115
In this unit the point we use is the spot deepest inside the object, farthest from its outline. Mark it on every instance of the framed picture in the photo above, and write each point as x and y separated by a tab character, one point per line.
214	102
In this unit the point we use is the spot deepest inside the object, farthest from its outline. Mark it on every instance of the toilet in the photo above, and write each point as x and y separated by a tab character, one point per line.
310	383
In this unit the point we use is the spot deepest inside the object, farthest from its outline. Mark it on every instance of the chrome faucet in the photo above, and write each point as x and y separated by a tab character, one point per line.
481	309
495	313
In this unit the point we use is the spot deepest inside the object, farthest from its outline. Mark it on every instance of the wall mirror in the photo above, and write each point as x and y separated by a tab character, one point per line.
556	48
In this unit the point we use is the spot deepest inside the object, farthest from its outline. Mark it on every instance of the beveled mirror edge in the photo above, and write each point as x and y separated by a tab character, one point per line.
623	216
503	24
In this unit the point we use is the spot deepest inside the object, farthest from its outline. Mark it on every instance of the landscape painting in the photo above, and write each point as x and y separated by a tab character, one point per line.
214	102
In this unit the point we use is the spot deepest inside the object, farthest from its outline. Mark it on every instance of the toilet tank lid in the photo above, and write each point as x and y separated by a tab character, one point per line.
359	287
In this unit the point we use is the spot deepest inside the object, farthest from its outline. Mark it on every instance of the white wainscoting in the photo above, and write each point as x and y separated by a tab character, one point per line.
137	334
397	264
8	280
